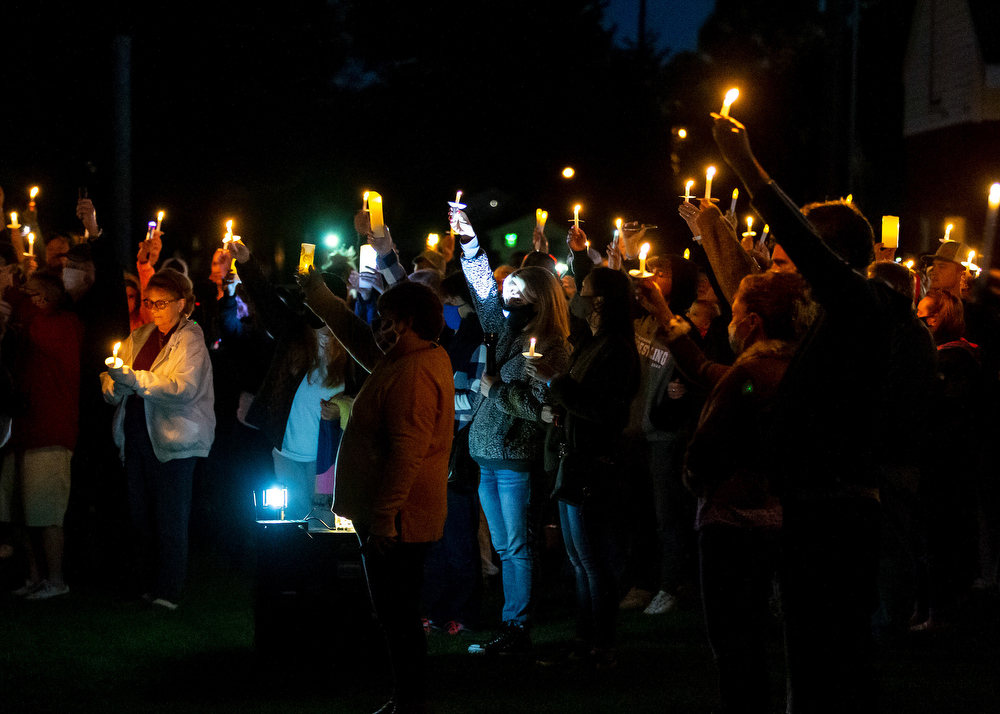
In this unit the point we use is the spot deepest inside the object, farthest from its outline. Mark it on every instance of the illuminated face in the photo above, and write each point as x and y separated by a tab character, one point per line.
663	276
513	287
132	295
170	314
924	312
780	262
945	275
220	265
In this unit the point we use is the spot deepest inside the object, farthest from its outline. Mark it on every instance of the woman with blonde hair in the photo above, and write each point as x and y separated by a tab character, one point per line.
507	436
164	422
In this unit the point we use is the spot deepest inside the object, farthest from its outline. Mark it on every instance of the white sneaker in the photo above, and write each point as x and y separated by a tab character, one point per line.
663	603
29	587
49	590
162	602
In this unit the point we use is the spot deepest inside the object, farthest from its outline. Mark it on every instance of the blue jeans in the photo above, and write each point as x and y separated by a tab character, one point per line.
504	495
587	535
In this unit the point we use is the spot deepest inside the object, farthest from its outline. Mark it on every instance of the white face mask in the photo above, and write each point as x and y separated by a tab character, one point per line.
74	279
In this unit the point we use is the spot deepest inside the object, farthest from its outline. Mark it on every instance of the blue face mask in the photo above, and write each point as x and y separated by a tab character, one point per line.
451	317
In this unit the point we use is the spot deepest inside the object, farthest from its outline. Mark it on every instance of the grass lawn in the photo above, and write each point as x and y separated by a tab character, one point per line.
94	651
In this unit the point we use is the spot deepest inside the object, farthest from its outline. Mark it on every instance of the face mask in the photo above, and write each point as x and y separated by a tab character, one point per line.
582	306
519	316
451	317
385	333
73	279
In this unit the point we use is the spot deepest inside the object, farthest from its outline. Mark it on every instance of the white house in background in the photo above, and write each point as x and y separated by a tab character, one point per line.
951	116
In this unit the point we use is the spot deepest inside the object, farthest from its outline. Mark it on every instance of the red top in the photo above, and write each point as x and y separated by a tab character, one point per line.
47	375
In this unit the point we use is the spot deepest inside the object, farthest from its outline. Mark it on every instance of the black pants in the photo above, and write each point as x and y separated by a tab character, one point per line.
737	576
828	572
394	581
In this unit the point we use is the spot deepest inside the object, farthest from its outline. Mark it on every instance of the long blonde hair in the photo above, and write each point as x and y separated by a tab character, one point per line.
541	289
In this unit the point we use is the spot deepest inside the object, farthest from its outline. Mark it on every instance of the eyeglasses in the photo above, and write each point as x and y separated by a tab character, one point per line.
159	304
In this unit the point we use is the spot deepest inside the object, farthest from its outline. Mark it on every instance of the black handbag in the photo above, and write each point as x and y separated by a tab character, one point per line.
463	471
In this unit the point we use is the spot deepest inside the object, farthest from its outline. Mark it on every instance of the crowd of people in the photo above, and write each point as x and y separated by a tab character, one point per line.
776	425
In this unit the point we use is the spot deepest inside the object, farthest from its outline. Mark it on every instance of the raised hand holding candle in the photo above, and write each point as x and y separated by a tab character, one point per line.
114	361
732	205
890	231
159	220
306	254
375	209
731	96
709	175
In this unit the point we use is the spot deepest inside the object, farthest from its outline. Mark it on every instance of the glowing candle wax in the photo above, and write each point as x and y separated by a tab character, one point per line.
159	220
731	96
31	245
114	361
375	209
14	225
890	231
576	216
531	354
540	218
432	240
709	175
947	232
687	191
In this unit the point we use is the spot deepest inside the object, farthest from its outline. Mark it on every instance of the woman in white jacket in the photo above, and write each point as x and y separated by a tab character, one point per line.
164	421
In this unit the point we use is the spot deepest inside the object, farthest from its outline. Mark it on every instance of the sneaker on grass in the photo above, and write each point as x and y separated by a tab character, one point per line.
50	590
663	603
28	588
164	603
513	639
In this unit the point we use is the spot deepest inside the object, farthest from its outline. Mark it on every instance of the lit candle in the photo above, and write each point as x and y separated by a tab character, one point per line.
708	182
618	227
890	231
31	245
540	218
306	254
687	191
947	232
159	220
229	232
375	209
531	347
432	240
750	233
968	268
14	225
458	197
909	264
31	195
576	216
114	361
850	197
364	201
732	205
643	252
731	96
767	229
687	254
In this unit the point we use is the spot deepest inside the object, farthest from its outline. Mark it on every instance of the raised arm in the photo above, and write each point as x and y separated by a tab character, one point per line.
349	329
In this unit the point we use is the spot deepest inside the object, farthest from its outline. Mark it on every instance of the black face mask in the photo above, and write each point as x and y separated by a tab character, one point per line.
582	306
519	316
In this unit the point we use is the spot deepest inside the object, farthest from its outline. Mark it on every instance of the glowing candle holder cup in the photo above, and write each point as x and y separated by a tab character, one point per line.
114	361
642	272
375	212
890	231
307	255
531	354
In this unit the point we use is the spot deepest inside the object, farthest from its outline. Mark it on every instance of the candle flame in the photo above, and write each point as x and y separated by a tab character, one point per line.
568	172
13	218
576	208
644	251
458	197
31	238
432	240
687	254
736	193
159	216
767	229
545	214
365	195
749	223
618	223
114	352
995	195
731	96
34	192
710	173
947	230
229	226
909	264
688	185
682	133
972	254
850	197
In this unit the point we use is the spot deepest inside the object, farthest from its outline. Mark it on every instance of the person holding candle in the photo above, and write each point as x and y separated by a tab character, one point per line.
35	480
587	409
164	422
507	435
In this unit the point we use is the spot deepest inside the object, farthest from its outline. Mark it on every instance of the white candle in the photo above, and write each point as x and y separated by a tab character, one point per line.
113	361
13	221
731	96
643	252
364	201
947	231
31	196
576	216
531	347
732	205
687	191
31	244
708	182
458	197
159	220
540	218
